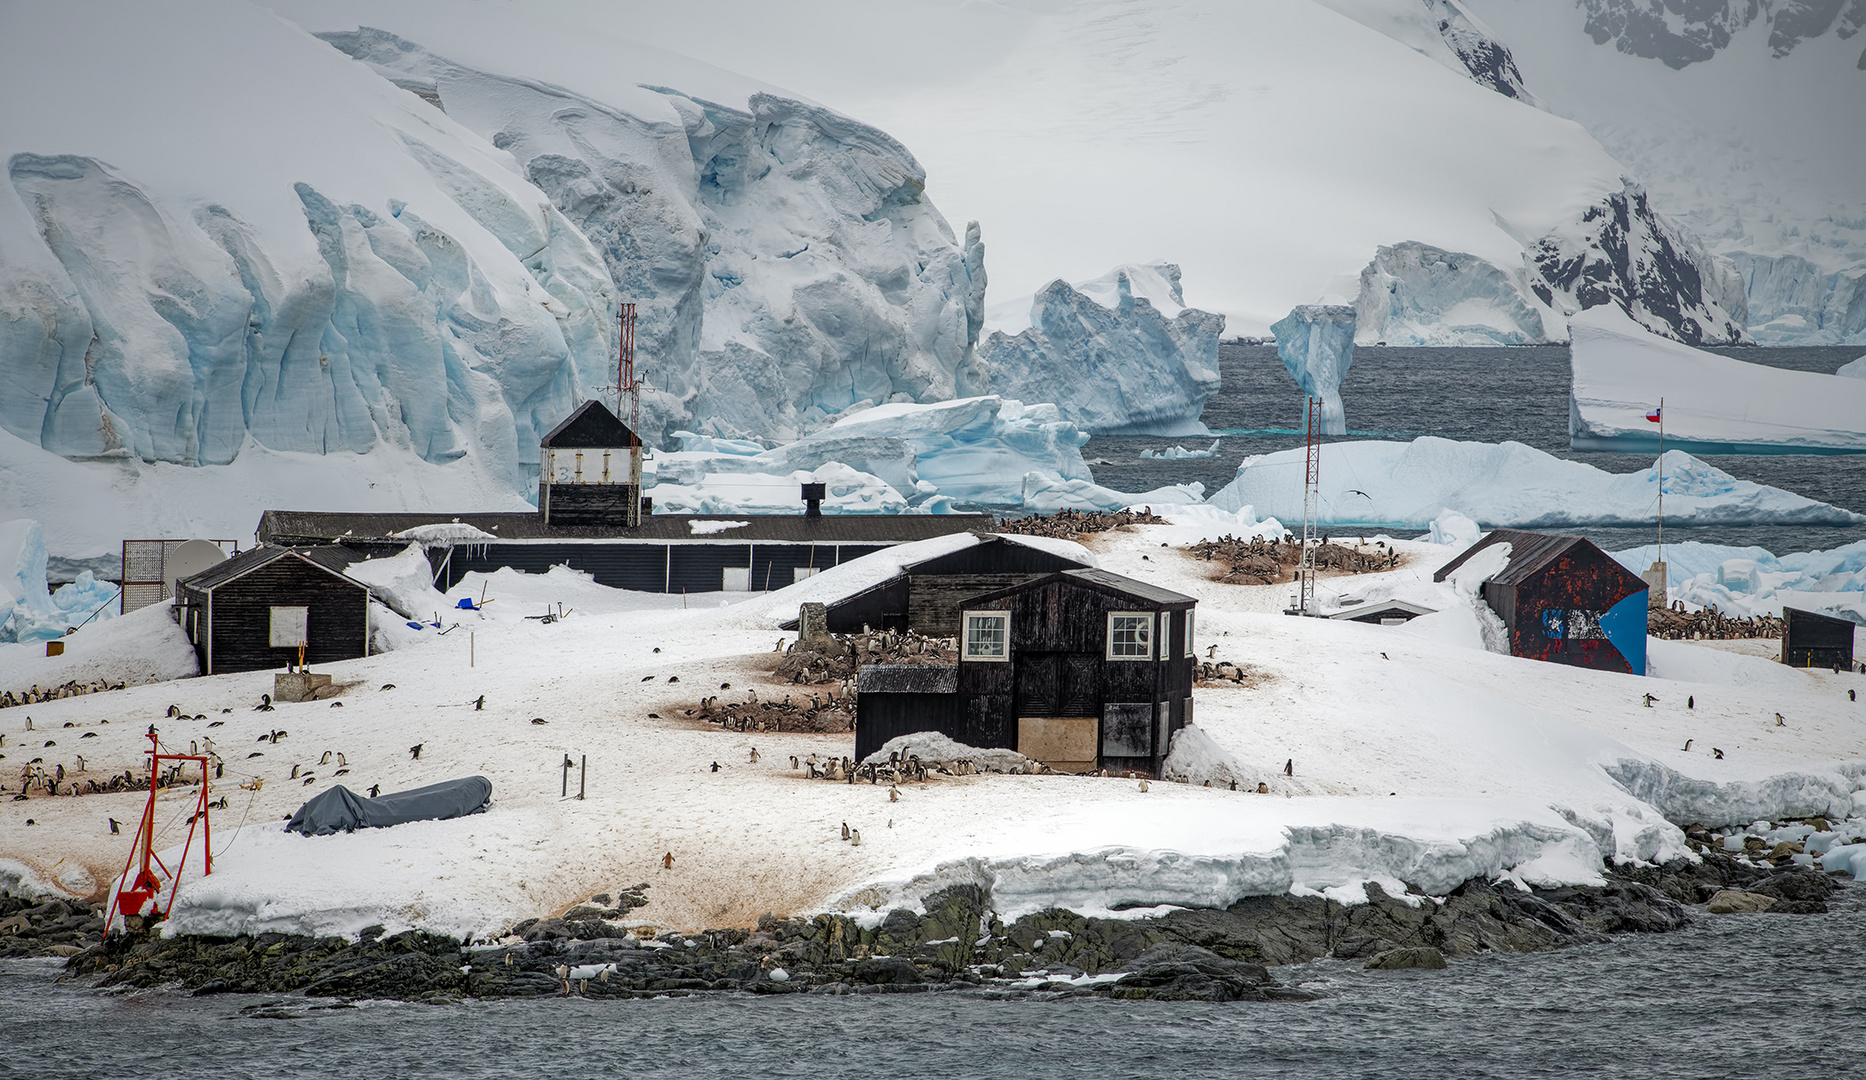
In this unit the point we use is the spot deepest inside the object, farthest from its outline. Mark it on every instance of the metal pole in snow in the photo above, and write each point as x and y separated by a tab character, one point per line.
566	770
583	774
1661	479
470	657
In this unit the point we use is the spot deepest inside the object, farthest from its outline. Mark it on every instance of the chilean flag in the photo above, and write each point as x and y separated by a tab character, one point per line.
1652	414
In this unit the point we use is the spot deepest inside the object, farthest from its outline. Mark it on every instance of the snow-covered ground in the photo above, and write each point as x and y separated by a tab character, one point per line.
1713	404
1426	761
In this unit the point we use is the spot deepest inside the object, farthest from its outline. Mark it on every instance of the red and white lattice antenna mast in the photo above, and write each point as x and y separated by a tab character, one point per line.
1311	505
628	403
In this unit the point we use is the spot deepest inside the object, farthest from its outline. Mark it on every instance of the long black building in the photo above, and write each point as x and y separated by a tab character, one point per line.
927	596
666	553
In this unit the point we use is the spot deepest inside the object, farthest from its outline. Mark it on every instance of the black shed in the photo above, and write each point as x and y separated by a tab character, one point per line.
1564	600
585	474
1080	669
1813	640
251	612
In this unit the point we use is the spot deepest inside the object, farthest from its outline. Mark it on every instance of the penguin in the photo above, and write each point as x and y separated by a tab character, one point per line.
342	762
325	760
715	767
1263	788
265	703
374	789
673	678
173	710
1289	767
256	753
217	723
388	686
336	704
414	752
1718	754
1691	701
539	720
1143	785
845	830
1688	746
754	755
793	762
309	780
894	793
479	703
667	861
294	774
1649	700
114	825
647	678
1779	722
341	772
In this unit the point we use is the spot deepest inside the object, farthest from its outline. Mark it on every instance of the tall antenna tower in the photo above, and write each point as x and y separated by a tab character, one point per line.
1311	506
628	404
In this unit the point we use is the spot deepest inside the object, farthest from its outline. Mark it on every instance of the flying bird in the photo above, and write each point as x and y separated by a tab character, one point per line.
1357	491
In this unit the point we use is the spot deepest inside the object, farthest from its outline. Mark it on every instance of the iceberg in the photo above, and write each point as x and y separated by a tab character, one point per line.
1180	453
1713	404
1417	294
1853	369
1316	344
1119	354
29	609
1410	484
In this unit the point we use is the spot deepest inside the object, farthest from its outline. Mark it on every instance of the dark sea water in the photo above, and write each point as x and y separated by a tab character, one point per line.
1781	997
1483	395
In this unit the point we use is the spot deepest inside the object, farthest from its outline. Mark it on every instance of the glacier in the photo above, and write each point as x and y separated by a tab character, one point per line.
1713	404
1316	344
1408	485
1119	354
785	260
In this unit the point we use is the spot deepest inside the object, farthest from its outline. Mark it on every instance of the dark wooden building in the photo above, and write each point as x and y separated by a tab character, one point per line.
586	469
927	596
251	612
1080	669
1813	640
666	553
1564	600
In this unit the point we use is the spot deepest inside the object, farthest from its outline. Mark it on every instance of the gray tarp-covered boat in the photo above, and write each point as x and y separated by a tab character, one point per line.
343	810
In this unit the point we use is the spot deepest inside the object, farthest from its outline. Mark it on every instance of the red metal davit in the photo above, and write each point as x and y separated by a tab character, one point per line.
141	895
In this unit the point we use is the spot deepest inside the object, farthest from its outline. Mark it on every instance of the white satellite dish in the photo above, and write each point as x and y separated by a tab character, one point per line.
188	559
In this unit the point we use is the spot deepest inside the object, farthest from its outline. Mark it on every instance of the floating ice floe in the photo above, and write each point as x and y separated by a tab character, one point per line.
1749	581
1508	484
29	609
1180	453
986	452
1316	345
1712	404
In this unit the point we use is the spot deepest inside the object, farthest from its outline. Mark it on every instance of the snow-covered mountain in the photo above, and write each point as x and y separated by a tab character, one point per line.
1742	118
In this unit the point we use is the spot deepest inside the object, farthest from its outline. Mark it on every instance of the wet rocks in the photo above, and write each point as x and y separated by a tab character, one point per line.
47	926
1734	902
1398	959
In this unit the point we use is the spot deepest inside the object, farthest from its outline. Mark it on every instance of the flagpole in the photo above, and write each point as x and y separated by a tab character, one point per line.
1661	464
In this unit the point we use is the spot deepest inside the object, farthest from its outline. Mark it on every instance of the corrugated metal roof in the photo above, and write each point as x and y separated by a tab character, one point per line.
1100	579
1529	553
306	526
908	679
590	425
334	559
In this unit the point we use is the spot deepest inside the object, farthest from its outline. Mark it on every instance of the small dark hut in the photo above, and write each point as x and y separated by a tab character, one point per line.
1080	669
1382	612
1564	600
1813	640
584	474
252	612
926	596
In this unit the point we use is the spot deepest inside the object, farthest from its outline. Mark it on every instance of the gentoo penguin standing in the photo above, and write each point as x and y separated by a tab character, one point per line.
845	830
1289	767
667	861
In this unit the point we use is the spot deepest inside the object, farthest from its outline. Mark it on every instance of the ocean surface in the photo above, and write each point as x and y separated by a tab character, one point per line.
1776	996
1483	395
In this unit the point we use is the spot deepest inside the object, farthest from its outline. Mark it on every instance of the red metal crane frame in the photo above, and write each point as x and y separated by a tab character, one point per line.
138	893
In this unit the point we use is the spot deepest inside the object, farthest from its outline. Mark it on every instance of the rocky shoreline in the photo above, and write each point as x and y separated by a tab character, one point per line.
957	945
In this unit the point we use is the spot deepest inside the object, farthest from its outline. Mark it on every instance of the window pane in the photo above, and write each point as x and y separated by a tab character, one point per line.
1130	636
986	636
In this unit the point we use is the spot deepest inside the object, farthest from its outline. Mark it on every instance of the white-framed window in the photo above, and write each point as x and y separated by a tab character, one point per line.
801	572
1191	649
1130	635
736	579
986	635
291	627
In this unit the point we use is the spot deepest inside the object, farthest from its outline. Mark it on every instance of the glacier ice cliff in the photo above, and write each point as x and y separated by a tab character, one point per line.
785	260
1794	302
1416	294
1316	344
1119	354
